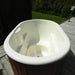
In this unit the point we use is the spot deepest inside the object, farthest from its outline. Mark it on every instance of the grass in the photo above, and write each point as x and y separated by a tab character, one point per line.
37	15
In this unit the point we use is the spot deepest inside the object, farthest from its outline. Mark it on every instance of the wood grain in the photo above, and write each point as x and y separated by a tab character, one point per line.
49	69
17	68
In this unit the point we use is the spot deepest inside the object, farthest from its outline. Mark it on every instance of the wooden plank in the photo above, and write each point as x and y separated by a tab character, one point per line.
69	28
2	52
6	66
0	66
4	63
4	72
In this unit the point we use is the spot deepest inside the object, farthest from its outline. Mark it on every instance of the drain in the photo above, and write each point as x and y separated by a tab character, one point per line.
38	56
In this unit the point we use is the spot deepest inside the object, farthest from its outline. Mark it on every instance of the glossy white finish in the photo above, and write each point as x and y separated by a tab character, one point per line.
51	36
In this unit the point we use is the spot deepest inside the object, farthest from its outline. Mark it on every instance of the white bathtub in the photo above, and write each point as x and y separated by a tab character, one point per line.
44	32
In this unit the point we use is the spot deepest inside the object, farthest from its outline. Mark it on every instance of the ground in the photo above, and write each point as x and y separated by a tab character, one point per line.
69	28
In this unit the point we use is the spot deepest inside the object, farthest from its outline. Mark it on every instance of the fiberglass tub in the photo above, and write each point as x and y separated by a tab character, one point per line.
37	42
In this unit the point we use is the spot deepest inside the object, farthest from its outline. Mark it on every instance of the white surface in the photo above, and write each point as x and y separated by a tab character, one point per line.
49	31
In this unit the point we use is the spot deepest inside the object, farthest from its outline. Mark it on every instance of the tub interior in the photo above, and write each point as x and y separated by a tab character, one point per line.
37	39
